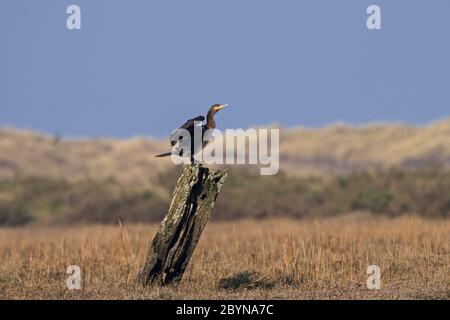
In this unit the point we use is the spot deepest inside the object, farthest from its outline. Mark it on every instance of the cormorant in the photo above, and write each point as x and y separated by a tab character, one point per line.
190	126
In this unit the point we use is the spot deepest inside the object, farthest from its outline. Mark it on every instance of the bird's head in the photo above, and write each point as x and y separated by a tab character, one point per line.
215	108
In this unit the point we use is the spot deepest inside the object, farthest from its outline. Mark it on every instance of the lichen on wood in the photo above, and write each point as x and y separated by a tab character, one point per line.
192	202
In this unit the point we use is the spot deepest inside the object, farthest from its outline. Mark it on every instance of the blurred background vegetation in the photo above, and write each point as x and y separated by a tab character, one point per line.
378	169
246	194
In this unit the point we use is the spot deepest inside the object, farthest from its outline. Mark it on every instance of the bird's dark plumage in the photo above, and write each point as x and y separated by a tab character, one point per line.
191	122
189	125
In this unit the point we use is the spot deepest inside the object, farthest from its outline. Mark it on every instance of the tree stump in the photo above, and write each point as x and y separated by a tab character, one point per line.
192	202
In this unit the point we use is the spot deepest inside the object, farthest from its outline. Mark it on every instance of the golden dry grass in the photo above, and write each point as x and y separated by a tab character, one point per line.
320	259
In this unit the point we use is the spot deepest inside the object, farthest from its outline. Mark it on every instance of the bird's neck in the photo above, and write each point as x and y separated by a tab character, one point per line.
210	123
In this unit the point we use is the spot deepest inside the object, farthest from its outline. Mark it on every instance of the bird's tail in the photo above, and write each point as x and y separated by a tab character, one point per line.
167	154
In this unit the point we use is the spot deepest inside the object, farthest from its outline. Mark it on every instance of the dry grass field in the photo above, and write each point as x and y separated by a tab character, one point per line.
247	259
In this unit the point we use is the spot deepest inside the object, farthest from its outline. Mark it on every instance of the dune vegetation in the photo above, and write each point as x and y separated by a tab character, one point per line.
379	169
336	149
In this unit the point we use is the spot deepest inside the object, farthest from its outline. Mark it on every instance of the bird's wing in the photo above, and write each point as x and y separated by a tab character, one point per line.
191	122
188	125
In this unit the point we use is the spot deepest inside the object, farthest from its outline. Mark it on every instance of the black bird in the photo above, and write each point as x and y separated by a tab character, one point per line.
190	127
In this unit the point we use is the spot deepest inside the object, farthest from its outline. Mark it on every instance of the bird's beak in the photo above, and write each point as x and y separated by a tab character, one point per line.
223	106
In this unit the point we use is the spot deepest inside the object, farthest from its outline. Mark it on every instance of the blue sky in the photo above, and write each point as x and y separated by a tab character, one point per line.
143	67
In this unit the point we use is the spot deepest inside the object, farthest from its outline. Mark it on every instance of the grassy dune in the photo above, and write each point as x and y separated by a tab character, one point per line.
334	149
248	259
341	148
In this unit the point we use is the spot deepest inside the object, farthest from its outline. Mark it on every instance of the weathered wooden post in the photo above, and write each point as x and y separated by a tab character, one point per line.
193	199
